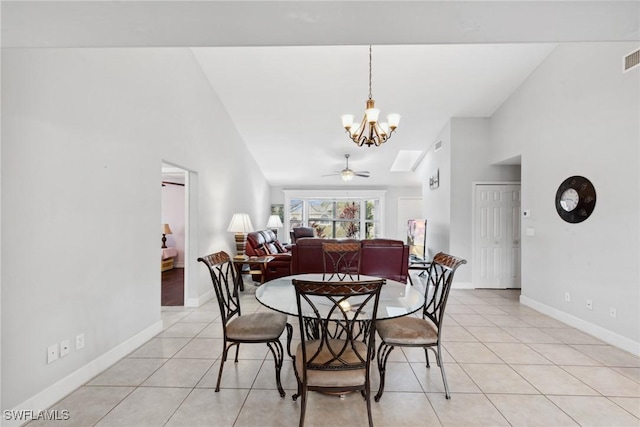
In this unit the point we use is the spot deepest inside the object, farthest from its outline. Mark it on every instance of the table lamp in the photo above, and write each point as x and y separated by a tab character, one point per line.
274	223
165	230
241	225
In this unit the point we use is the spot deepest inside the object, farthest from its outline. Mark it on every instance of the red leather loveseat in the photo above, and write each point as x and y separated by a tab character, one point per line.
380	257
263	243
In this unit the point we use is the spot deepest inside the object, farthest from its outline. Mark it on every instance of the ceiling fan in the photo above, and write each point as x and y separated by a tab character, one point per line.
347	174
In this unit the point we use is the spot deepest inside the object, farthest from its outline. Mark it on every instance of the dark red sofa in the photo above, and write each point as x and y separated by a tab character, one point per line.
380	257
263	243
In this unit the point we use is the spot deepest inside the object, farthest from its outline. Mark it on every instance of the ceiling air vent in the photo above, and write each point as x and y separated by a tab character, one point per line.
437	146
631	61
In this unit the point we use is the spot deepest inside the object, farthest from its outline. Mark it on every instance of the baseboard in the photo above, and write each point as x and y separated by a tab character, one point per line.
605	335
462	285
197	302
66	385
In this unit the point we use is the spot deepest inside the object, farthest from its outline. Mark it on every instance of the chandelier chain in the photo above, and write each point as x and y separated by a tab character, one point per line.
370	96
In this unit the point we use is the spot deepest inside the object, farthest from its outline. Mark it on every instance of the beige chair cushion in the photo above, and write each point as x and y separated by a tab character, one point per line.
256	327
407	330
341	378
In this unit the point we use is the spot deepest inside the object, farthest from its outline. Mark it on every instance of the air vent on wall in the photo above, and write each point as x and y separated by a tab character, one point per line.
437	146
632	60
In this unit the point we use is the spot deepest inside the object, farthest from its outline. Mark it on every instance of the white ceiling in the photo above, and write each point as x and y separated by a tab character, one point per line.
287	101
287	70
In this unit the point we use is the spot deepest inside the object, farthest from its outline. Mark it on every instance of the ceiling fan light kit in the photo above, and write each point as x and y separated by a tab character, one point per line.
370	131
348	174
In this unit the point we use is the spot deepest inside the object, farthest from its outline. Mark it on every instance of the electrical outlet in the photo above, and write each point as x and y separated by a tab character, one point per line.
52	353
589	304
613	312
79	341
65	348
567	297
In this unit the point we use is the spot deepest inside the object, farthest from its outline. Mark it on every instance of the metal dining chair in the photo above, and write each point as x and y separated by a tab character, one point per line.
244	329
341	260
425	331
335	358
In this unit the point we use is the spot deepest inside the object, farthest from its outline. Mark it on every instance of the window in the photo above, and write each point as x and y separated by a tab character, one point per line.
337	217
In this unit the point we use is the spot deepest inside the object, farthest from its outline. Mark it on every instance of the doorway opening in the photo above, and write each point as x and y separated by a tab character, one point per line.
174	226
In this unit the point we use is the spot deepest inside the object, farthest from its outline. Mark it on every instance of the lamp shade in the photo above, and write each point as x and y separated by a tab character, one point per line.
274	222
240	223
166	229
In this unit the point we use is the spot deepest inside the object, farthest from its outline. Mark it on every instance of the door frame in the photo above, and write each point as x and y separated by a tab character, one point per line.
188	200
474	213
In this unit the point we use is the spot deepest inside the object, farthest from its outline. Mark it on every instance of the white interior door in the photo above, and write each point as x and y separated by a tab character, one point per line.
408	208
497	236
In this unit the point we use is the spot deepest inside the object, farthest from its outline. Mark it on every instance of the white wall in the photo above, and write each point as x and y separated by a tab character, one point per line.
437	201
463	159
578	114
470	154
83	138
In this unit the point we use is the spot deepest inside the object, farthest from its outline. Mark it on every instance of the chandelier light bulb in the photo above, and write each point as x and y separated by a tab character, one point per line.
347	121
394	121
372	115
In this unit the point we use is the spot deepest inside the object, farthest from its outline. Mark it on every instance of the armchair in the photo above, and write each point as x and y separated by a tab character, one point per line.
299	232
263	243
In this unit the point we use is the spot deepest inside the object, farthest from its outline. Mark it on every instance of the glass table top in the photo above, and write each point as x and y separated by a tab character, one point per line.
396	299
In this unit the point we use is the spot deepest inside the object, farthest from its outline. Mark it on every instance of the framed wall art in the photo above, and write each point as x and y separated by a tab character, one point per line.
434	180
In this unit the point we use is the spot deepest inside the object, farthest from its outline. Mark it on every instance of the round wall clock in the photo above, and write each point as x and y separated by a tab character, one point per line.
575	199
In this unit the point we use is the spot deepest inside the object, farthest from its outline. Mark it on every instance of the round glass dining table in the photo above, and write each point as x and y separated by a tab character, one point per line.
396	299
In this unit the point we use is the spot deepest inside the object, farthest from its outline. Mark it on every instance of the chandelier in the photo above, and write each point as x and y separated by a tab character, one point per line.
370	131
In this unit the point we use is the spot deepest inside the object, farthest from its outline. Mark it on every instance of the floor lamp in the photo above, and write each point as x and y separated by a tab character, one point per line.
240	225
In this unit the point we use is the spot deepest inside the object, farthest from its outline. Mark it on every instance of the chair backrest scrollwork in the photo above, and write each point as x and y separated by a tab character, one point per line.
439	280
225	283
344	316
341	260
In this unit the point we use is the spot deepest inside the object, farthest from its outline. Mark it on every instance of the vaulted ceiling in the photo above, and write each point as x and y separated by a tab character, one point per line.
286	71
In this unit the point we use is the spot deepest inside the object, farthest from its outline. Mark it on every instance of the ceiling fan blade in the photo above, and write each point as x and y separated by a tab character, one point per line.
331	174
362	175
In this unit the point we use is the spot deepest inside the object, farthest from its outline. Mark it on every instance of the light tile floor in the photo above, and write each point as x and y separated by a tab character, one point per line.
506	364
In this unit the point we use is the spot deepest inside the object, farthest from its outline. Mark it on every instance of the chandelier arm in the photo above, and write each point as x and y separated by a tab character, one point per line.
363	126
375	135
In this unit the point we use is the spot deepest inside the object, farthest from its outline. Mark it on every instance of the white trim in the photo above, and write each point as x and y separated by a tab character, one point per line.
71	382
462	285
197	302
605	335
